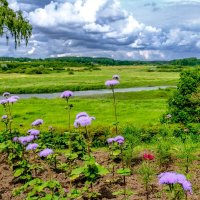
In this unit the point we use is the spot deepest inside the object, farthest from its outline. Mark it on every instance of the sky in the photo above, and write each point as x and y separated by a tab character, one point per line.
119	29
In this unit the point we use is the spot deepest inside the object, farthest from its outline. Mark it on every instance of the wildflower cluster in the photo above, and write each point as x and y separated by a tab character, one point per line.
118	139
171	178
7	102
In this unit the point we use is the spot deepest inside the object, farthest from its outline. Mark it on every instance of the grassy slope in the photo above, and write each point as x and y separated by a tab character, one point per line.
82	80
139	109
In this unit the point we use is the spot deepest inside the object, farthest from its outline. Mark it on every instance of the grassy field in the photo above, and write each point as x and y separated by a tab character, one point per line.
139	108
84	80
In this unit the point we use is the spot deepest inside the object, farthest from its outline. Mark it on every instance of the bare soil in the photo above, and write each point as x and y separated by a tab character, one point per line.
105	185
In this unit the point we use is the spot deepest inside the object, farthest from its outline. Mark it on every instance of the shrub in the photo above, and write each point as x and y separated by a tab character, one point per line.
184	104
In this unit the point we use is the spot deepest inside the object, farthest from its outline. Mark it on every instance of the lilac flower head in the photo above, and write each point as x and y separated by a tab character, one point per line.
15	97
116	77
83	121
15	139
81	114
32	146
119	139
173	178
187	186
111	83
26	139
110	140
66	94
180	178
45	152
4	117
33	132
12	100
37	122
6	94
4	101
168	178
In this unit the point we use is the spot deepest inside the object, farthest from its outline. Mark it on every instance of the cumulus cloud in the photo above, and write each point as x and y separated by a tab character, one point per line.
13	4
105	28
89	24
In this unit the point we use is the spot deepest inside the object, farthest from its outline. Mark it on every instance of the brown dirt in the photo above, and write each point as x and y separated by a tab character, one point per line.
106	185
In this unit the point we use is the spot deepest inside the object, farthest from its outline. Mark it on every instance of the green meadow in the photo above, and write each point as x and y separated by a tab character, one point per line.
82	79
136	108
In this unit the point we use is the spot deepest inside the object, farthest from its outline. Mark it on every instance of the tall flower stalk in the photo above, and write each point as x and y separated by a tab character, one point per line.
66	95
84	120
111	84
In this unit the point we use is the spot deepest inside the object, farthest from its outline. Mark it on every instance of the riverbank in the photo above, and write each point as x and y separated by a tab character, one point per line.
81	80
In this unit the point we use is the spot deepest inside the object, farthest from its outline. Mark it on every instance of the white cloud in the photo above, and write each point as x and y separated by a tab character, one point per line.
104	28
96	27
31	51
148	55
13	4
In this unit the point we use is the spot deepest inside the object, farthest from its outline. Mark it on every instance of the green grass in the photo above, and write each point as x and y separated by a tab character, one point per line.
139	108
84	80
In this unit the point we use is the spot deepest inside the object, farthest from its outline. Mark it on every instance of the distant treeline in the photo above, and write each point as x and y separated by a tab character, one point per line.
47	65
103	61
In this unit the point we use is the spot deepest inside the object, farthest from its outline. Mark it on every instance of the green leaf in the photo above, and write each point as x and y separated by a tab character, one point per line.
116	152
124	172
102	170
47	197
76	172
18	172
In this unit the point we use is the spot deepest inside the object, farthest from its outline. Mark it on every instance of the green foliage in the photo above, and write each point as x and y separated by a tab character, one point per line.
14	24
91	170
186	153
41	190
146	173
184	104
163	155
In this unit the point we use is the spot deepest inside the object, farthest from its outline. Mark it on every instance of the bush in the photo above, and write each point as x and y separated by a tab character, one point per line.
185	103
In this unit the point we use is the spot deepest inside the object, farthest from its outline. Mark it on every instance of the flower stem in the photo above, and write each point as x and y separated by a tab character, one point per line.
115	109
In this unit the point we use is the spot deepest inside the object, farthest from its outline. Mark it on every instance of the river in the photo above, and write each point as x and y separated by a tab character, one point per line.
92	92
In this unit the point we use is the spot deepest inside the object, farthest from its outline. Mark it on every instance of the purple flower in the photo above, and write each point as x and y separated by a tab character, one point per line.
111	83
116	77
180	178
187	186
26	139
45	152
110	140
82	114
83	121
168	178
15	97
37	122
66	94
4	117
32	146
12	100
173	178
33	132
4	101
119	139
15	139
6	94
